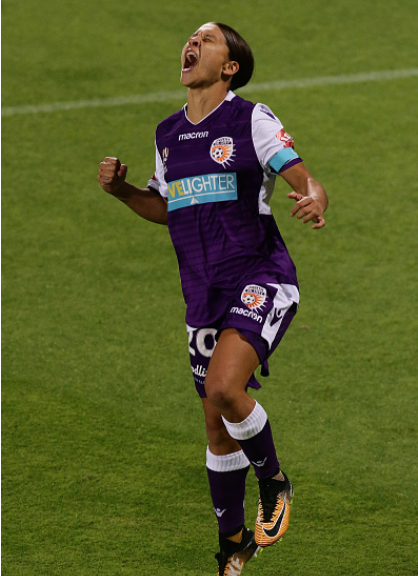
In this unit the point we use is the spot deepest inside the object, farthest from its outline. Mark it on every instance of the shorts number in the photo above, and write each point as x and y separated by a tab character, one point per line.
205	341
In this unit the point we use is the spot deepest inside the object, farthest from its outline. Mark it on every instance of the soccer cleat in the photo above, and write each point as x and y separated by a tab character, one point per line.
233	557
273	510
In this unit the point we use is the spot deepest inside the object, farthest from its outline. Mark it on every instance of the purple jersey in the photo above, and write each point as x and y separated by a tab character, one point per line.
217	177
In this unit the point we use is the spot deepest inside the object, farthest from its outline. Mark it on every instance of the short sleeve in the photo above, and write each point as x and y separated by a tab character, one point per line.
153	184
157	182
274	146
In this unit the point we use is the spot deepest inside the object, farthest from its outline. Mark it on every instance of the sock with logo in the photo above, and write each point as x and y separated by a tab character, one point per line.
256	440
227	476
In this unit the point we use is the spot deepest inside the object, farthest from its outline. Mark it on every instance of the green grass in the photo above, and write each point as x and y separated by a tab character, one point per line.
103	436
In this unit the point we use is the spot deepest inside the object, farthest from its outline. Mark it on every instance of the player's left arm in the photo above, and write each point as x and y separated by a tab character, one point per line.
311	198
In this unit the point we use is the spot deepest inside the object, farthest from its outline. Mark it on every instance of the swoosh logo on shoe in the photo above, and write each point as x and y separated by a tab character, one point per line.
272	532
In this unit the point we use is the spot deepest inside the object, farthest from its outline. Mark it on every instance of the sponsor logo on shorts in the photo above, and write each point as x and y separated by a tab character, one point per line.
199	370
254	297
222	150
246	313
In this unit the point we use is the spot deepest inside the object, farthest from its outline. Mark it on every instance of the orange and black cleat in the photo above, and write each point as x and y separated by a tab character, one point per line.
233	557
273	510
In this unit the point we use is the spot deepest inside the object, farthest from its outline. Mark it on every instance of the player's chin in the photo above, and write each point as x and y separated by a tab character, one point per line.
185	77
185	80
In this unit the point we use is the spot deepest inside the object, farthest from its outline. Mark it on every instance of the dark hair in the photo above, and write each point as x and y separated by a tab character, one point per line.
241	53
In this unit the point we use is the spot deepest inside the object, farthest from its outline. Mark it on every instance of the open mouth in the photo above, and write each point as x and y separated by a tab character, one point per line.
190	61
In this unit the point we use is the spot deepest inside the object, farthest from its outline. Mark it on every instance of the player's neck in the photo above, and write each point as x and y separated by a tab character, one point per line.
202	101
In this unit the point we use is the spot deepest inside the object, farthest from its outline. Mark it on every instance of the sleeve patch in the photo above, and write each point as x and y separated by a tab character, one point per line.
285	138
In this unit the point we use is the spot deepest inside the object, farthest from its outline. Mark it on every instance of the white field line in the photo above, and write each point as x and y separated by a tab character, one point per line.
181	94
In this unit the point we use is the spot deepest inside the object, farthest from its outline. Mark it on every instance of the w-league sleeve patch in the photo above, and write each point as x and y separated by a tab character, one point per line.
285	138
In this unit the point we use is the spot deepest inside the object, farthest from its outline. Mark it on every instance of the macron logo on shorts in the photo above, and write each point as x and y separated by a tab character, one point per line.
254	298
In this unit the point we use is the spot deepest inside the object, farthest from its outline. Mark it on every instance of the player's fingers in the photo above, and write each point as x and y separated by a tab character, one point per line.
300	207
108	169
107	176
295	196
112	160
295	209
123	171
310	215
304	211
319	224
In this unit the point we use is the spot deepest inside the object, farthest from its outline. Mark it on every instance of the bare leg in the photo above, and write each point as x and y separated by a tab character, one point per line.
233	362
220	442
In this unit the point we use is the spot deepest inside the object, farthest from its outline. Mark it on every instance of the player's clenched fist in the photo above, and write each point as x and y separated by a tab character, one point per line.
112	174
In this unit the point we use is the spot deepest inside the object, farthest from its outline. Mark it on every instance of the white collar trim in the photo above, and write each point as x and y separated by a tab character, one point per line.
230	96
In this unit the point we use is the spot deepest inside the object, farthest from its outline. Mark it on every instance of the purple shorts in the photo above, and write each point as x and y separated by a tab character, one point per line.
261	312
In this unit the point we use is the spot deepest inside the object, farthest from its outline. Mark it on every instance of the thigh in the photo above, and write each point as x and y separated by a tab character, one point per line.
202	342
233	362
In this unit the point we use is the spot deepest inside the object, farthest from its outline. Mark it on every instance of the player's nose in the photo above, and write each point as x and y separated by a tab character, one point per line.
195	41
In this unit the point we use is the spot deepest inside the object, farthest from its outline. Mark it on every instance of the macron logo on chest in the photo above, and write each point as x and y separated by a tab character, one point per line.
193	135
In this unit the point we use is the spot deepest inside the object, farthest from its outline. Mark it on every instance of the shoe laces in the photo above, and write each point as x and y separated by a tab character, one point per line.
269	491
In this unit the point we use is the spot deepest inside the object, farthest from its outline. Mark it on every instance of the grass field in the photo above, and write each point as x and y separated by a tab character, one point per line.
103	437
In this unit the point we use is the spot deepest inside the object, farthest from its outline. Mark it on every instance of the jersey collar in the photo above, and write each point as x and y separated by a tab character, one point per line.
230	96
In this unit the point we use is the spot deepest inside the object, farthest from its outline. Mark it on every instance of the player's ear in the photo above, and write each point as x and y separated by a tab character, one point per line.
230	68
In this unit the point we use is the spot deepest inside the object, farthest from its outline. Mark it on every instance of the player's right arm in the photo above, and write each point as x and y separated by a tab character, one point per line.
145	202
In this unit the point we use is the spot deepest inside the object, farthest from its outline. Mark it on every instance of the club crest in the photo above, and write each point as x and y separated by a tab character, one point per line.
222	150
254	296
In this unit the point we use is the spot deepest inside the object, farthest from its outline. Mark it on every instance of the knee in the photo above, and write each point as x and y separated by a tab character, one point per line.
216	433
220	442
219	439
219	394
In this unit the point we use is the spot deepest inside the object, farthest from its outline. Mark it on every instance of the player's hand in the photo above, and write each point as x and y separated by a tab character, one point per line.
112	174
308	209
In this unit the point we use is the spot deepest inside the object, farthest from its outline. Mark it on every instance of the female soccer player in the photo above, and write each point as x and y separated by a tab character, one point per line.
216	163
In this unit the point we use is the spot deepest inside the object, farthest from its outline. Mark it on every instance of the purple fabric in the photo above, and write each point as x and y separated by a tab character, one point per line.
261	452
290	164
228	493
220	244
202	343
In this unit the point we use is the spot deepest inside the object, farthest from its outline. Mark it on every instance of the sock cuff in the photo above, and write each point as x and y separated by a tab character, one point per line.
249	427
227	462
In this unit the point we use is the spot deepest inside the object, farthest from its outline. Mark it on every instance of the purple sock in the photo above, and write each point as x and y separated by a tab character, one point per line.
227	476
256	440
